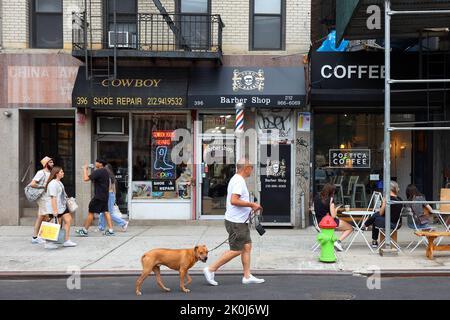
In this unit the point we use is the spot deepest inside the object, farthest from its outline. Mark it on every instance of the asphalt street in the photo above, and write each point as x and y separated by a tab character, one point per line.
276	287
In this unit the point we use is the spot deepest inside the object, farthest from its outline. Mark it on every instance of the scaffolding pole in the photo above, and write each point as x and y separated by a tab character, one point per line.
387	117
387	124
418	128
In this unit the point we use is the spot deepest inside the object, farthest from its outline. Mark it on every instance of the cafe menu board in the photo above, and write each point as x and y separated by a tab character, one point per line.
161	149
276	187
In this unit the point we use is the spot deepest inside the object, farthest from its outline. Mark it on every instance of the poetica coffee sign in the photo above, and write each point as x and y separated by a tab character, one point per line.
349	158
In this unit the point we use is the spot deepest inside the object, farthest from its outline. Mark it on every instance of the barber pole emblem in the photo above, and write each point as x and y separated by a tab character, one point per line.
239	127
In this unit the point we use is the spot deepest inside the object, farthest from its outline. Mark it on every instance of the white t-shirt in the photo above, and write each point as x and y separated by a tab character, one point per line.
39	175
56	189
41	184
238	186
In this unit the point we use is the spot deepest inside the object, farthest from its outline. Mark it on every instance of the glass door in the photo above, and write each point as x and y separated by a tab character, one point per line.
115	152
218	167
217	152
56	138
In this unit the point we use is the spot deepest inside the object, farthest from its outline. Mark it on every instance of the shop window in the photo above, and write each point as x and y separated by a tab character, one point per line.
218	123
155	175
124	32
195	22
358	134
47	24
267	24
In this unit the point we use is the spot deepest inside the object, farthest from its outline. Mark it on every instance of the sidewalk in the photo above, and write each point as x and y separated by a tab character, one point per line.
279	250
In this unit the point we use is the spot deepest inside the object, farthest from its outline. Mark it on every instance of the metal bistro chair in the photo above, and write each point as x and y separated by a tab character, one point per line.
410	215
351	190
393	231
339	188
376	200
316	226
363	197
374	203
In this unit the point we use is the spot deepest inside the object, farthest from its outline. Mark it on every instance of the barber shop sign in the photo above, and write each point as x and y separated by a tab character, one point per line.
349	158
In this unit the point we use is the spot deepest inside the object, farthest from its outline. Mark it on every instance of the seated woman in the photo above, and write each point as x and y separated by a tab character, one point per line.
323	205
421	217
378	219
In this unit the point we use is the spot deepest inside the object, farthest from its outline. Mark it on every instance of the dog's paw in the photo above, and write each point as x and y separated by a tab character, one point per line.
138	293
186	290
167	289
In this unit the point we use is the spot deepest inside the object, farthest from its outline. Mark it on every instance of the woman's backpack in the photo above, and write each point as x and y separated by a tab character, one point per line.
418	213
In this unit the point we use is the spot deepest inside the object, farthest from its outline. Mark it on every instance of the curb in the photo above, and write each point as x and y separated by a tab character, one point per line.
5	275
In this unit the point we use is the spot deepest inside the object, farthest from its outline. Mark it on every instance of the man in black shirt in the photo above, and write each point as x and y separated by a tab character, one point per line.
100	178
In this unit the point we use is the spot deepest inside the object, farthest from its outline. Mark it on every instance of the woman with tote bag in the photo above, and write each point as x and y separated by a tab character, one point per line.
57	205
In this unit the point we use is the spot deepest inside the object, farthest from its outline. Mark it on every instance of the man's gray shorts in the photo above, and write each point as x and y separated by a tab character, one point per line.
238	235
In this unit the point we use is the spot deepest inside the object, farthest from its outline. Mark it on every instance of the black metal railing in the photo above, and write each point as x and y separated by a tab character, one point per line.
149	32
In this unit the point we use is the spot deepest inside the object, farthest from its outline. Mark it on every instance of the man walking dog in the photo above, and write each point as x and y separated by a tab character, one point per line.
237	214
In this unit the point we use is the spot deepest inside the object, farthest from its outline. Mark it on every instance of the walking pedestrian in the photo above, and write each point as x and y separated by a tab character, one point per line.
238	210
113	188
39	182
57	205
100	178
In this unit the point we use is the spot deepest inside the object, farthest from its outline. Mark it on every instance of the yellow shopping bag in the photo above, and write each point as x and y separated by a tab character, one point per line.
49	231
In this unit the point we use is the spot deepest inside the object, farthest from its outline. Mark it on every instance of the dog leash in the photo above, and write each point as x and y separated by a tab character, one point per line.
249	219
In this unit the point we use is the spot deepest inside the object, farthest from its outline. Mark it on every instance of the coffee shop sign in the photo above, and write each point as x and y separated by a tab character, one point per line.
349	158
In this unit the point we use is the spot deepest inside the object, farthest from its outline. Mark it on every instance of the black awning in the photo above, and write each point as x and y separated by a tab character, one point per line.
270	87
134	88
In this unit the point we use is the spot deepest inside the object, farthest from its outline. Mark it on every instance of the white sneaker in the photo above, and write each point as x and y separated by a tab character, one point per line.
69	243
50	245
209	277
37	241
125	226
338	245
252	279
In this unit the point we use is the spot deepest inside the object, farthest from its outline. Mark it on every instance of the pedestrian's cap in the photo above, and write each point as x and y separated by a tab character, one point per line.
45	161
327	223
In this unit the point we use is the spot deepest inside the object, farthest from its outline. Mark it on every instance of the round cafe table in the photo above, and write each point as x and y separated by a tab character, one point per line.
364	215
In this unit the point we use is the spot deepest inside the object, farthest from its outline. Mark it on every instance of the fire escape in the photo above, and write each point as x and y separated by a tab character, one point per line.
162	35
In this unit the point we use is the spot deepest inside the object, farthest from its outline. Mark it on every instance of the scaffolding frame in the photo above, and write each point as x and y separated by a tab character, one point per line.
387	116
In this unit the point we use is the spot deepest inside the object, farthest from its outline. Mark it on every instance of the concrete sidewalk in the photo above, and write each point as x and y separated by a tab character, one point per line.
279	250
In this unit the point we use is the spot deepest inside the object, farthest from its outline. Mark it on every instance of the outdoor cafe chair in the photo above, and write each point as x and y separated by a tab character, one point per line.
316	226
393	231
410	216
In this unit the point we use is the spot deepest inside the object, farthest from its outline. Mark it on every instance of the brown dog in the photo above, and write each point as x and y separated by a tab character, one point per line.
176	259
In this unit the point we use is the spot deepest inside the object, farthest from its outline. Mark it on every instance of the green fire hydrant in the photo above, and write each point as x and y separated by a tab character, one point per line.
326	238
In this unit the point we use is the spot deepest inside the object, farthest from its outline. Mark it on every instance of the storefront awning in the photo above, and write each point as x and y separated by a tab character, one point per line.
356	79
134	88
271	87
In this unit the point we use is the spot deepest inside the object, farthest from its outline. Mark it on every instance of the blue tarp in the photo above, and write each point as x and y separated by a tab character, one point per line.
329	45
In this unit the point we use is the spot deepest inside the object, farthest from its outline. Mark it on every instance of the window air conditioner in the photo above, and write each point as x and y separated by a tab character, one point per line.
125	39
110	125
